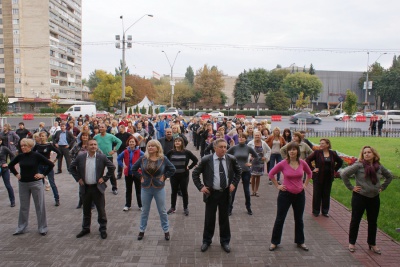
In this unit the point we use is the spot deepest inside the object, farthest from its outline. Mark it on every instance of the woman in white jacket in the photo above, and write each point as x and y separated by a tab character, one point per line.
257	165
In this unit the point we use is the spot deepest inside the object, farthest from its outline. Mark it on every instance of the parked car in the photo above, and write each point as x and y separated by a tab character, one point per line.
215	113
310	118
323	113
118	112
368	114
199	114
174	112
355	115
340	116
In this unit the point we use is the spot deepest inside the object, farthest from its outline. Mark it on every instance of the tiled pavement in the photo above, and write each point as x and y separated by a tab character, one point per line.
326	237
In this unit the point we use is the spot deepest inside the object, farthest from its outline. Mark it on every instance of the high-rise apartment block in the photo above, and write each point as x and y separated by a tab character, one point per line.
40	51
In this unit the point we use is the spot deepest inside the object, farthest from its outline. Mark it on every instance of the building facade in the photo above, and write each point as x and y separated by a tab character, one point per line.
40	52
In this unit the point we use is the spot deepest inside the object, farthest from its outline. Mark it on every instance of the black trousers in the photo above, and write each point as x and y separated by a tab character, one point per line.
195	139
92	194
64	153
180	182
321	195
113	180
359	204
217	200
129	181
285	200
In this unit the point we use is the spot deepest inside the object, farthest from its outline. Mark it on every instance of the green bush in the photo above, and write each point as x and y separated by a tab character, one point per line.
244	112
50	110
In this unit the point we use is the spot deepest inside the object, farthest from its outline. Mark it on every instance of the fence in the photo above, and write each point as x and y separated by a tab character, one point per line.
352	132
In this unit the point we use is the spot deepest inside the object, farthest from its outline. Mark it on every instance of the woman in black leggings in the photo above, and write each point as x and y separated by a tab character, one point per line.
180	157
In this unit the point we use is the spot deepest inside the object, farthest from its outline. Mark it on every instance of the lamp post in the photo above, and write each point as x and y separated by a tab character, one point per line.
129	45
366	80
172	82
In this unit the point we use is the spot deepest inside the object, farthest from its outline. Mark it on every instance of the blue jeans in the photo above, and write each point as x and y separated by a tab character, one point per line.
275	158
50	176
5	173
246	189
147	195
285	200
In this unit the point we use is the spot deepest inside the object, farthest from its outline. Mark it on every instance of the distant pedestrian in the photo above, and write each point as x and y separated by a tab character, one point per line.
380	125
372	125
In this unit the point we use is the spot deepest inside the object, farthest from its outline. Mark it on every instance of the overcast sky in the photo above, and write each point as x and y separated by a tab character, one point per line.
236	35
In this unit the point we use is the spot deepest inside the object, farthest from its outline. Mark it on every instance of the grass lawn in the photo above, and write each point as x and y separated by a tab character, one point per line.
389	218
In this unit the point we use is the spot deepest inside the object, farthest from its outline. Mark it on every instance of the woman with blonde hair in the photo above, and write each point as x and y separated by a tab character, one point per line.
367	171
275	142
155	169
29	183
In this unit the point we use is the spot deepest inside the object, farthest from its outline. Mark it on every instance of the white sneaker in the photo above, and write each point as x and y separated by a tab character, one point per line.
126	208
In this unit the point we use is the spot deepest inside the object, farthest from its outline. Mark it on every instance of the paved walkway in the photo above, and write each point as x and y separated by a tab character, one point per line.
326	237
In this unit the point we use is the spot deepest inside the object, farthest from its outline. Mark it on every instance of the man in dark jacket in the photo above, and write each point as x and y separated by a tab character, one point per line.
63	140
123	136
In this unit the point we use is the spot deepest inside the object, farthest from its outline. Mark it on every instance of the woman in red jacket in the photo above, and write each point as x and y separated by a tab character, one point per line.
128	157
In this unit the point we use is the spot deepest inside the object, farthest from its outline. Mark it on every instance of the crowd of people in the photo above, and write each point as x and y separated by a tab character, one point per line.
151	150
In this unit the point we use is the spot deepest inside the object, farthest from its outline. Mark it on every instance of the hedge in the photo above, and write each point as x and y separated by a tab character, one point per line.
244	112
50	110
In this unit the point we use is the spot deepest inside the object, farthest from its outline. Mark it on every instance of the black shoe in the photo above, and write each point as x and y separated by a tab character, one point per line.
103	234
18	233
12	204
118	177
204	247
167	236
315	214
325	214
115	192
226	248
249	211
58	172
57	203
272	247
140	236
82	233
43	234
79	206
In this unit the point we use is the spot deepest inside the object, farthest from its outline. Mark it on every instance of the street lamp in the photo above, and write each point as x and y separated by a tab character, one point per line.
172	82
367	86
129	45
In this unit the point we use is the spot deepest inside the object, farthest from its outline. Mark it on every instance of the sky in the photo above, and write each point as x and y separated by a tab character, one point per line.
240	35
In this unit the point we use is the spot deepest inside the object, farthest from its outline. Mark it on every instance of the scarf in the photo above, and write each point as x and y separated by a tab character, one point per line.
370	171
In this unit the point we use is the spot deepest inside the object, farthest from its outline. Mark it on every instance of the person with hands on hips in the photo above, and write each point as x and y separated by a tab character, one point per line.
221	175
291	193
29	183
368	171
5	173
156	168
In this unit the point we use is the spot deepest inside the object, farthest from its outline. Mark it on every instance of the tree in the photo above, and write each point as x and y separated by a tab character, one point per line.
54	104
137	110
375	73
224	98
118	71
298	82
3	104
311	71
388	88
108	92
241	92
259	79
130	111
189	75
209	83
301	102
183	93
275	79
93	81
277	100
278	66
304	69
143	110
350	104
141	87
151	110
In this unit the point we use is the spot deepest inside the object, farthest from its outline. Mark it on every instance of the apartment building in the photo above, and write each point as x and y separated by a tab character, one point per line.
40	52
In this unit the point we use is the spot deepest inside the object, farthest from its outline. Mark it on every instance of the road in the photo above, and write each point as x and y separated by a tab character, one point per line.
327	124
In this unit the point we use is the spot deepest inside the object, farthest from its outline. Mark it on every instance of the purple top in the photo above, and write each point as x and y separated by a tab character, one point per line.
293	178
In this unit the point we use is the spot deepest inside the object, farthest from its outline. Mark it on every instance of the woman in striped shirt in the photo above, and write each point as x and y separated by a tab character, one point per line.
180	157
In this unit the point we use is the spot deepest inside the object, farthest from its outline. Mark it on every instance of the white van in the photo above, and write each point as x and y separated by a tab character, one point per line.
389	115
83	110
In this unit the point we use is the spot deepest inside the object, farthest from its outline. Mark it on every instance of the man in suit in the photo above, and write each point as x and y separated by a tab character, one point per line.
63	140
88	169
221	175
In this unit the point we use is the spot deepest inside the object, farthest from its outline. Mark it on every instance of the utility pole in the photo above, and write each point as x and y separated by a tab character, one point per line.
172	82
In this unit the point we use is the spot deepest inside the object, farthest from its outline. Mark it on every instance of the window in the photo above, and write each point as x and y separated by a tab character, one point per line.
1	40
1	30
2	80
2	90
15	11
77	108
15	32
15	1
17	90
1	50
1	60
15	41
17	50
15	21
17	80
1	70
17	61
54	81
16	70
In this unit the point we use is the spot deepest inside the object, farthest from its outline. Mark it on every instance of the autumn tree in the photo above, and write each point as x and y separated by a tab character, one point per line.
350	104
277	100
54	104
241	92
302	102
3	104
93	80
141	87
298	82
258	79
109	90
209	83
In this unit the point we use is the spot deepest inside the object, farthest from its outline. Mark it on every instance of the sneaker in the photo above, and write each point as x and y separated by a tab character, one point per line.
126	208
47	188
140	208
270	182
115	192
57	203
186	211
171	210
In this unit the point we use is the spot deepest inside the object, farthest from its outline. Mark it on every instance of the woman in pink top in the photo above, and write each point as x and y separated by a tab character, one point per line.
291	193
